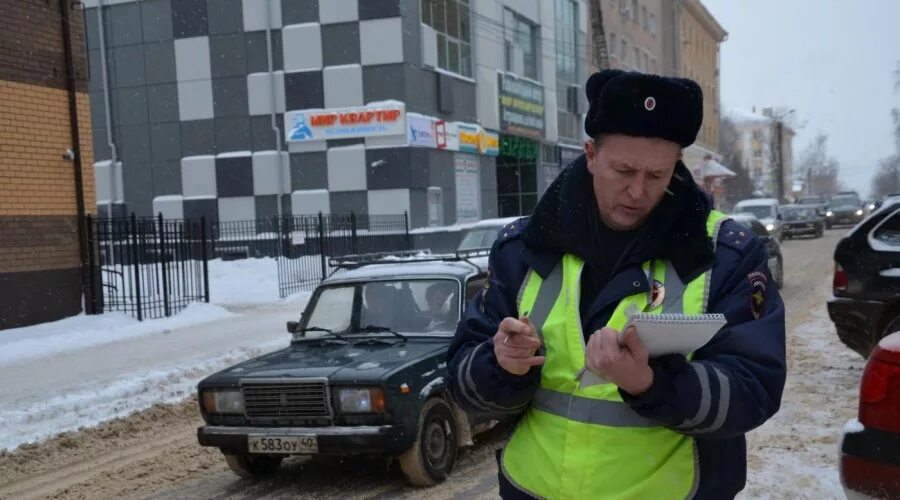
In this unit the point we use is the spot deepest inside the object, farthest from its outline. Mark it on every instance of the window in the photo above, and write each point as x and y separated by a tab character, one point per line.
644	20
637	58
523	37
646	62
888	232
634	11
653	66
567	56
653	24
451	20
612	44
623	51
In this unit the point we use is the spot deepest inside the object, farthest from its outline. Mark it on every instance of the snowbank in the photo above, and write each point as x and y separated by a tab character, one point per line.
245	281
853	426
83	331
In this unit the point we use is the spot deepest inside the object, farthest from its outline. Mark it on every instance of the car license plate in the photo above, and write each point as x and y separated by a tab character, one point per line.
282	444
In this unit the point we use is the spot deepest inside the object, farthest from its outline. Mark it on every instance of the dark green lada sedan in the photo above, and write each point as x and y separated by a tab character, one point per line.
365	373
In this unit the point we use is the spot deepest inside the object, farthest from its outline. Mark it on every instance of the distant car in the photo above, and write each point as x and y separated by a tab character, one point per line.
801	220
817	201
365	373
773	249
866	287
870	446
844	209
766	211
483	233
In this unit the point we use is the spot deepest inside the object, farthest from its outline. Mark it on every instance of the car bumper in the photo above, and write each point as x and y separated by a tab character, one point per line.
844	219
870	464
856	321
361	440
792	230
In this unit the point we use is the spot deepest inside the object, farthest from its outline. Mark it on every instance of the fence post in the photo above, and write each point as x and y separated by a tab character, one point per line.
135	263
409	245
162	263
354	242
92	281
322	245
205	258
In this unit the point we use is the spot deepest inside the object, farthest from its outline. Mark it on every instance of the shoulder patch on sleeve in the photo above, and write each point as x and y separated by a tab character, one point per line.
736	236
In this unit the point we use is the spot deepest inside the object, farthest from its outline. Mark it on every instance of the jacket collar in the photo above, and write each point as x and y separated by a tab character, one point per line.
675	231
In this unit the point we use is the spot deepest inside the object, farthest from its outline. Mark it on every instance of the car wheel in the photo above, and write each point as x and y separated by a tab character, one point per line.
253	466
431	458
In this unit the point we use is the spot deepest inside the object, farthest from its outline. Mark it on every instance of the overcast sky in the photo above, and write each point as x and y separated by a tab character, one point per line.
831	60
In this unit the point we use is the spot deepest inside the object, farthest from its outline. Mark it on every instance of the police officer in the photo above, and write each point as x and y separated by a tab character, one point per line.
623	228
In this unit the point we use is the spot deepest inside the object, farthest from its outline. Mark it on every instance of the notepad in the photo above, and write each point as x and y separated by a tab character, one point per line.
667	334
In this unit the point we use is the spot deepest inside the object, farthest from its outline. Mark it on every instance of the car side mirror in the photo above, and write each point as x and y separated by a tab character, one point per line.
292	326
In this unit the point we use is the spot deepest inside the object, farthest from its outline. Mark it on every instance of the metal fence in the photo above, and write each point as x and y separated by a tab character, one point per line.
147	267
151	267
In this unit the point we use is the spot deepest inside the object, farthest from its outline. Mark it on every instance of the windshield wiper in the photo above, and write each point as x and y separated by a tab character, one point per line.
378	329
320	329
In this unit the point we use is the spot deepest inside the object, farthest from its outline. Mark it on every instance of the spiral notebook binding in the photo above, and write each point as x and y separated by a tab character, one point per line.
680	318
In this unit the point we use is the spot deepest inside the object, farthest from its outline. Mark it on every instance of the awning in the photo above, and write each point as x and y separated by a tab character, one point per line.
713	169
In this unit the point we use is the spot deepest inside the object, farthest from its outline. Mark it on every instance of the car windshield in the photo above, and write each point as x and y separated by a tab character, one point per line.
479	238
799	213
843	203
758	211
809	201
409	306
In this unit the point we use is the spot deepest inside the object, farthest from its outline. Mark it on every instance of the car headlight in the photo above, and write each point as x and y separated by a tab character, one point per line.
223	401
829	213
770	227
871	206
360	400
859	212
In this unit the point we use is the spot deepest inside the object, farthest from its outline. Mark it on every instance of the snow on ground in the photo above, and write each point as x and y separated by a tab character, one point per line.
795	454
245	281
88	369
83	331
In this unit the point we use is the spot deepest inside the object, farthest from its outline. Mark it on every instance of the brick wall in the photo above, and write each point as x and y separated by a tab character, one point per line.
39	245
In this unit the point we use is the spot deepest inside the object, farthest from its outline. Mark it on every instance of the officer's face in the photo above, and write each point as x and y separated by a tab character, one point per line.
631	175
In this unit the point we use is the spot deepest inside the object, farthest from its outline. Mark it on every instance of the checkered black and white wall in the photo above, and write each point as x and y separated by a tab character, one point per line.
191	97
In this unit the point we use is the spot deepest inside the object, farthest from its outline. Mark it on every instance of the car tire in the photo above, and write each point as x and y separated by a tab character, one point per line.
253	466
431	458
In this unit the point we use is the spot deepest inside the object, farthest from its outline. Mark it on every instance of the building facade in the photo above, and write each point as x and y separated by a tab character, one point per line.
46	182
759	143
633	30
697	39
243	109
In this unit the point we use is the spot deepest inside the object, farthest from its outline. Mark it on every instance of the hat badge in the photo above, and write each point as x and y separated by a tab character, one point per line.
650	104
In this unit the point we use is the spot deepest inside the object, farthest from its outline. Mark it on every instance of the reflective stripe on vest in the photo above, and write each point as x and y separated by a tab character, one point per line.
583	442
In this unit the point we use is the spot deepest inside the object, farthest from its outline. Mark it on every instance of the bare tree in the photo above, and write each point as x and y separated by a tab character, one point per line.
821	170
887	180
740	186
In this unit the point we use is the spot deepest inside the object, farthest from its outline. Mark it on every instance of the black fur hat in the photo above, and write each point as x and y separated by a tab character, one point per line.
643	105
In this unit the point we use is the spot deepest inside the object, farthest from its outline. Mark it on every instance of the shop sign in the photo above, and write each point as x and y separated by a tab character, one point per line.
469	139
488	143
421	130
519	148
344	123
521	106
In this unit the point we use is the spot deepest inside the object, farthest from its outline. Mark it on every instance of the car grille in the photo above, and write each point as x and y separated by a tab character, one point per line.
297	400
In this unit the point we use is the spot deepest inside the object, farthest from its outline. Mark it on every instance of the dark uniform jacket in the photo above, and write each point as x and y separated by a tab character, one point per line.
738	386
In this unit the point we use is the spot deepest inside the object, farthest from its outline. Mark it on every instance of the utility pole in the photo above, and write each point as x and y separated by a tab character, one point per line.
779	127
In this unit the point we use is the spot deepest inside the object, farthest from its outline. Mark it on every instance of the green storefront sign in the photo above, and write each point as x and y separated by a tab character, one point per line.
519	148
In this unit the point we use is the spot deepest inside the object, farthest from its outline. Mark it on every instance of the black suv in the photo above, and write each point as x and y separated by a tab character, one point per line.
866	302
844	209
365	372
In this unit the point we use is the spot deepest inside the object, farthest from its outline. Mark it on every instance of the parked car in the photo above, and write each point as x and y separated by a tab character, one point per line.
870	447
766	211
866	302
364	374
773	249
801	220
483	233
844	209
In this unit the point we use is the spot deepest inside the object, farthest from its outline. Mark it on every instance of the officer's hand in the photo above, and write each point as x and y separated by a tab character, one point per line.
625	365
515	344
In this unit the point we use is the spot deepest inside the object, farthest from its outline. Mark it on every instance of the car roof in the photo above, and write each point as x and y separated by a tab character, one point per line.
758	202
797	207
411	268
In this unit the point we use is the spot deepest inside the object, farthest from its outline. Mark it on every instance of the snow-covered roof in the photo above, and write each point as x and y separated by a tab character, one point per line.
408	269
738	115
